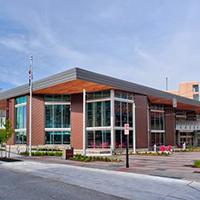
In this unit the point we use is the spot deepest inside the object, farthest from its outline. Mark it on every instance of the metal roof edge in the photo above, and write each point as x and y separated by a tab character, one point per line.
132	87
61	77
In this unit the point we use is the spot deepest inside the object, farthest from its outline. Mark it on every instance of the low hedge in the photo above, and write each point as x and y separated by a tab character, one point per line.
197	163
152	153
42	153
45	149
79	157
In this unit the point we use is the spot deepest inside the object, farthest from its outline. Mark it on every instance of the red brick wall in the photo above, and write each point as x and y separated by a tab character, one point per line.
11	117
38	120
77	121
170	127
141	103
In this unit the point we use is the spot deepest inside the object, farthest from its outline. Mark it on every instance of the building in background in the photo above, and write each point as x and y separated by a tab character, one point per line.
188	89
88	111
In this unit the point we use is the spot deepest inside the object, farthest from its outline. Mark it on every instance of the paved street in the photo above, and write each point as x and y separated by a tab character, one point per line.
37	180
19	186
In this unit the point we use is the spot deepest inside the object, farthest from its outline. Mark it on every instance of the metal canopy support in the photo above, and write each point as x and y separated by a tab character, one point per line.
134	130
84	122
112	121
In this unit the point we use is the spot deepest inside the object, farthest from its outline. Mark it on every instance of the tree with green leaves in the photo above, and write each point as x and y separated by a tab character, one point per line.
6	133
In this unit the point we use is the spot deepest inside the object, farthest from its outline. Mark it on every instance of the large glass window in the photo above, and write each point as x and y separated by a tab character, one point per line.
20	117
20	137
57	116
20	120
120	139
157	121
123	113
98	114
57	119
58	137
157	138
98	139
124	95
98	95
195	88
196	97
57	98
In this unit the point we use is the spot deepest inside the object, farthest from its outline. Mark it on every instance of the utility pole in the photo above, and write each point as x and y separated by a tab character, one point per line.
166	83
30	103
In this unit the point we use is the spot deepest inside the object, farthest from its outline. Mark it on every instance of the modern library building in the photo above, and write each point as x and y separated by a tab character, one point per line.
87	111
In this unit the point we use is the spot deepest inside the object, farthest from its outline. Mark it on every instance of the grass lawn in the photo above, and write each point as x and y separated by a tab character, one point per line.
197	163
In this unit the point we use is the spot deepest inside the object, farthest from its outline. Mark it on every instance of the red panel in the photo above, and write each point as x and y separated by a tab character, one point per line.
77	121
11	117
170	127
141	121
38	117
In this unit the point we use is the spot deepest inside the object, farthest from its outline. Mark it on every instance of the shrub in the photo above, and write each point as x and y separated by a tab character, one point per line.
197	163
42	153
82	158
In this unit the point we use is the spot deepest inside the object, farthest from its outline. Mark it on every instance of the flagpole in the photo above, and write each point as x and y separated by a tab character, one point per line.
30	104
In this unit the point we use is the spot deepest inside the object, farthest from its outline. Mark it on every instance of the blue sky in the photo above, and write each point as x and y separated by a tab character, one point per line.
142	41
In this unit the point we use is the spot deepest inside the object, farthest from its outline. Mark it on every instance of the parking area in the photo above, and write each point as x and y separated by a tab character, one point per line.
178	165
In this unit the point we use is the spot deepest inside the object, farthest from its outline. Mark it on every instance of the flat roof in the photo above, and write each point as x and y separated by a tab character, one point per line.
88	76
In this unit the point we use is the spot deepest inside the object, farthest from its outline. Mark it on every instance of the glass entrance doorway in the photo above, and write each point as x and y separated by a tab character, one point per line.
157	138
187	137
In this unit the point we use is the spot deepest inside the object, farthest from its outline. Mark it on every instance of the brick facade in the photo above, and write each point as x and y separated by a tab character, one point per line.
77	121
170	127
11	117
38	120
141	121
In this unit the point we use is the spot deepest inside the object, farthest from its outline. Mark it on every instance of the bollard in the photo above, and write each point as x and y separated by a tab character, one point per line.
154	147
184	146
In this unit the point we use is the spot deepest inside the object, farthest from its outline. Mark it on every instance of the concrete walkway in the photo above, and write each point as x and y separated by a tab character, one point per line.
121	184
178	166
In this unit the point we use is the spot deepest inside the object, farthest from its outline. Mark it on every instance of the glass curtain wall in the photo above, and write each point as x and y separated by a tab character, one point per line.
123	109
57	119
98	114
20	120
157	126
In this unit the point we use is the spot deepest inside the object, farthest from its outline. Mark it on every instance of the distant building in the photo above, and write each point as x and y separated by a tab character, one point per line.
188	89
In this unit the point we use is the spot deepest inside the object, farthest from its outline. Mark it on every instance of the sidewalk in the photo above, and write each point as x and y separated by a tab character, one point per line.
124	185
177	166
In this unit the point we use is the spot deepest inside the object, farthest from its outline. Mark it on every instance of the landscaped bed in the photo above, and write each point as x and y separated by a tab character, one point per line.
188	149
196	164
79	157
152	153
43	153
4	159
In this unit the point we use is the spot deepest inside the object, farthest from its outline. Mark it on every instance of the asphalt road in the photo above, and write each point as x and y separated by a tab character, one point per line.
19	186
32	180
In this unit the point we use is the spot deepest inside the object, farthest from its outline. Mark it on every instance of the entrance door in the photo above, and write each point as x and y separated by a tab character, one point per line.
187	137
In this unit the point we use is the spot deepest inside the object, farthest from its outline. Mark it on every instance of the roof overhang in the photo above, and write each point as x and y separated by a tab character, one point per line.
76	79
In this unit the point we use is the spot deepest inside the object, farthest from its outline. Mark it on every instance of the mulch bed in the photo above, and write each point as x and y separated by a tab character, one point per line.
10	160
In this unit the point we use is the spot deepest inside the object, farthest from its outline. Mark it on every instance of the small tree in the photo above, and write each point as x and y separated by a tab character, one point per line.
6	133
2	138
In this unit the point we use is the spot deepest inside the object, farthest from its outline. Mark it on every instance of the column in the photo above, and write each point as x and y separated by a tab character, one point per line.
112	104
134	130
84	122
